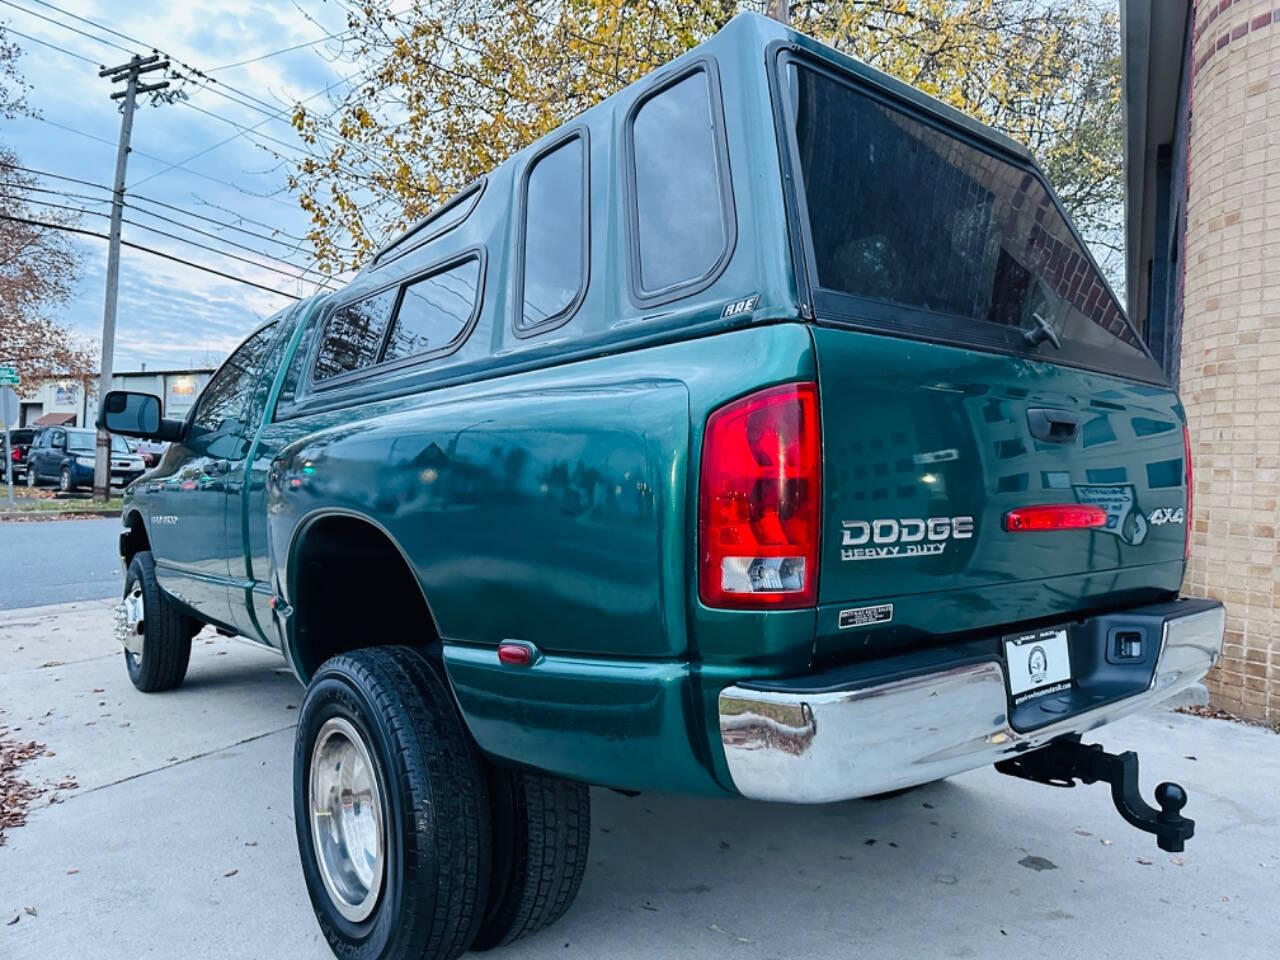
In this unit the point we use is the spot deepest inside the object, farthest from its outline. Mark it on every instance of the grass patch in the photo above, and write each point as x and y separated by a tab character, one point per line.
60	507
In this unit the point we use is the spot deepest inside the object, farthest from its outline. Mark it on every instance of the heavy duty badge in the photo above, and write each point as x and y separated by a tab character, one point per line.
885	539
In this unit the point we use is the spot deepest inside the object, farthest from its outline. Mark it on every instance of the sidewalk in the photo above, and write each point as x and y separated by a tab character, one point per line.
178	840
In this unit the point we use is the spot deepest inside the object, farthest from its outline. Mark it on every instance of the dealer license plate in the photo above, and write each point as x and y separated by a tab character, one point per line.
1039	664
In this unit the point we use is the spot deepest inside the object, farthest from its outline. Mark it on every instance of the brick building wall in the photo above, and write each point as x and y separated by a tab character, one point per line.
1230	367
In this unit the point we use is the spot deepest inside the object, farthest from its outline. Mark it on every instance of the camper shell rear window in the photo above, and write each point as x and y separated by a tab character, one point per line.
911	226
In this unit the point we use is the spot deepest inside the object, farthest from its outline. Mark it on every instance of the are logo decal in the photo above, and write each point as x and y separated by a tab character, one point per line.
886	538
1162	515
745	305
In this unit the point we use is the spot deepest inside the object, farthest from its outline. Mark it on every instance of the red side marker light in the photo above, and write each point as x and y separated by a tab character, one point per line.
1054	516
515	654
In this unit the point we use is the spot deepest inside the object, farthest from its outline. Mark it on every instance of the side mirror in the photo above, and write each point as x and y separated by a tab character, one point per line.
137	415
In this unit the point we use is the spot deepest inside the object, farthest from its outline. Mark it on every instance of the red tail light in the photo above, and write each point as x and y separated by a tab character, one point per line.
1186	447
1054	516
760	503
15	454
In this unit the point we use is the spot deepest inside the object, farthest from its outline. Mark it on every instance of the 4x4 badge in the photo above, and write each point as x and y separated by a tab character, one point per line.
1163	515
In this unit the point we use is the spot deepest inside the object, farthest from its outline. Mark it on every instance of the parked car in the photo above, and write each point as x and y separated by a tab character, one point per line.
20	440
142	450
65	455
766	431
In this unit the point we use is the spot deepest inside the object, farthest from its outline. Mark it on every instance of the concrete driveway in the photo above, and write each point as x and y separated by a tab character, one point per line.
179	841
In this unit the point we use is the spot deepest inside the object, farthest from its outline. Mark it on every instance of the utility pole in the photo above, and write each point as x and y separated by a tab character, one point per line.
779	10
128	72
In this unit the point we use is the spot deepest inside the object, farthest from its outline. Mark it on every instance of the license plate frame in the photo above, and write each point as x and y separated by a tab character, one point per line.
1038	664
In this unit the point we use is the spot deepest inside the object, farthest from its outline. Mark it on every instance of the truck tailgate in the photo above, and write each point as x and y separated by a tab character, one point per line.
927	447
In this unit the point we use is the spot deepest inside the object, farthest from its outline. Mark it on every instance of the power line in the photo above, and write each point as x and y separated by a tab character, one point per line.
65	26
218	87
276	53
301	277
136	197
194	173
51	46
150	250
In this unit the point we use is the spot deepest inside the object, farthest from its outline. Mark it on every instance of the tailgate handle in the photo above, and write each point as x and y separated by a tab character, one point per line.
1053	426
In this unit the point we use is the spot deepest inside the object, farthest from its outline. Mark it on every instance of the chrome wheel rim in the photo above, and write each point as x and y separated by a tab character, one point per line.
347	830
130	621
64	481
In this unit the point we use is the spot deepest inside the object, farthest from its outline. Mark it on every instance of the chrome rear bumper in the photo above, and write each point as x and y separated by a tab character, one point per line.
827	745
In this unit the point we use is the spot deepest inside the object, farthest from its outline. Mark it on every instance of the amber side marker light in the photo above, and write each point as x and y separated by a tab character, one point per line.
1054	516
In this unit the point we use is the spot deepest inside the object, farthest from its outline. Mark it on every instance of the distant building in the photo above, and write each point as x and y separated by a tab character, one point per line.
72	404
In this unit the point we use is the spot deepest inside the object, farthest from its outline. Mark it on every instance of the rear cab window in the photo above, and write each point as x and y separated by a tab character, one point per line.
911	227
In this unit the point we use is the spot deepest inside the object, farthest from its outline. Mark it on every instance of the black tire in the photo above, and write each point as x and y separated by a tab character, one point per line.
435	806
167	631
64	480
541	834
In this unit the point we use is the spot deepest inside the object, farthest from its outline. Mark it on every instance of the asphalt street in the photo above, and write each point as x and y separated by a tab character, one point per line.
52	561
178	839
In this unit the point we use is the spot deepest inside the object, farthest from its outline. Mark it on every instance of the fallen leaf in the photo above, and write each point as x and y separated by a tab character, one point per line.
251	843
29	911
1144	861
16	918
73	871
1083	833
1106	843
51	663
1178	861
231	873
96	690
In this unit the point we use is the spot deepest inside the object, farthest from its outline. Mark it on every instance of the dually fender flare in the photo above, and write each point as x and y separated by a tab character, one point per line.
284	581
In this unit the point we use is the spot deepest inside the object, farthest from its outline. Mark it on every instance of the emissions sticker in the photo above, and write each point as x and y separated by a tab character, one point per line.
865	616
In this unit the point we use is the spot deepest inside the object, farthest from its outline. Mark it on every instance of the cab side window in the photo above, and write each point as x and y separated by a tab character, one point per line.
353	335
226	395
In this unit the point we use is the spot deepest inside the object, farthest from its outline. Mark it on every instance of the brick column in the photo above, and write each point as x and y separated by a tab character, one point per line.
1231	340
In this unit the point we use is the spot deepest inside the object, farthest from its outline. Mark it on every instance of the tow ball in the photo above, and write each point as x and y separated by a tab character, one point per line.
1063	762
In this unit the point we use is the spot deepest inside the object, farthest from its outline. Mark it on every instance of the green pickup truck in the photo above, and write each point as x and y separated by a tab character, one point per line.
766	431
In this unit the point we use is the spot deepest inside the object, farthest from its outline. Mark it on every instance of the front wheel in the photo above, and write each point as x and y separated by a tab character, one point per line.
155	632
64	480
391	809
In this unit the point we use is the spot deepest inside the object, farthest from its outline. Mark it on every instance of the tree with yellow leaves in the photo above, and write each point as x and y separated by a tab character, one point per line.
447	89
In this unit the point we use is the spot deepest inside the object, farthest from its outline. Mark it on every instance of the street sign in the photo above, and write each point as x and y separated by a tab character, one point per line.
9	377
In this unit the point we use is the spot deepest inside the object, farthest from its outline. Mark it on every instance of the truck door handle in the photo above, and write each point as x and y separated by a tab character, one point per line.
216	468
1053	426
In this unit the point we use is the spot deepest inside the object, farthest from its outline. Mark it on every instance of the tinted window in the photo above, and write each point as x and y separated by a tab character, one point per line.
679	207
903	213
554	233
353	335
222	403
434	312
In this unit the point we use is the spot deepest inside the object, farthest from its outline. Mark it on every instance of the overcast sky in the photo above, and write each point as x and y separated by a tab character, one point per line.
170	315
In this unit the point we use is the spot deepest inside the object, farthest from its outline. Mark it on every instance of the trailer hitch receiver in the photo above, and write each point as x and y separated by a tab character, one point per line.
1063	762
